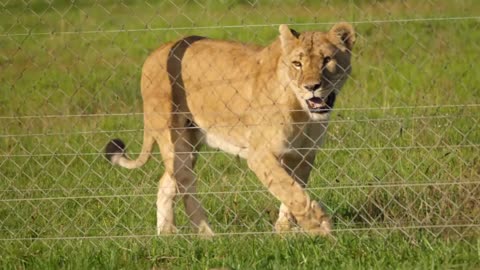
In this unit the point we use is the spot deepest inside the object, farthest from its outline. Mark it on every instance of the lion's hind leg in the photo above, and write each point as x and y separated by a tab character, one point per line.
185	147
165	200
178	152
167	187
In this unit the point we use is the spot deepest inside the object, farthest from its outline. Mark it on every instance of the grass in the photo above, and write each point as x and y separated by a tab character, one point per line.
249	252
399	172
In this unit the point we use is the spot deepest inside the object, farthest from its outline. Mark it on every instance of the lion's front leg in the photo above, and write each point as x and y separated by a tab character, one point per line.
309	215
298	165
285	220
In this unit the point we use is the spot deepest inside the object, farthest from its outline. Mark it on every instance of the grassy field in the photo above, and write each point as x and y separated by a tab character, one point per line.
400	171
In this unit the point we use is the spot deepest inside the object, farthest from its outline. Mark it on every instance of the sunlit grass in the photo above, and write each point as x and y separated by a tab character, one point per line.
399	171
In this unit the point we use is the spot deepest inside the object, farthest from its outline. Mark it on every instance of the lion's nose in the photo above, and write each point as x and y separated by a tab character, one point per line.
313	87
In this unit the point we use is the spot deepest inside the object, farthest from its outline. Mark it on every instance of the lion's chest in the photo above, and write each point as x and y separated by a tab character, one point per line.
306	137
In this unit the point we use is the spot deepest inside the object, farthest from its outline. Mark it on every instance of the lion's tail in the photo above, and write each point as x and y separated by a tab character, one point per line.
115	153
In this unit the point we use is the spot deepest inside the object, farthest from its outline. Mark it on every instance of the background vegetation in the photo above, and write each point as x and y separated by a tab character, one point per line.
399	172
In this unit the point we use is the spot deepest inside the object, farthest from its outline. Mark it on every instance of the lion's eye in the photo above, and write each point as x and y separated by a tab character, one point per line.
326	60
297	64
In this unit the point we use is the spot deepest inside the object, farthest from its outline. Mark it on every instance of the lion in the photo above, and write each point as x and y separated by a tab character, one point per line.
269	105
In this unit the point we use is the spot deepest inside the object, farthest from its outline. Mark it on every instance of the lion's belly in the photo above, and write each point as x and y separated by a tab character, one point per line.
220	142
222	128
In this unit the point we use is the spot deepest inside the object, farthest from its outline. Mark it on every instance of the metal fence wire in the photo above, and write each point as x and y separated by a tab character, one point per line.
401	152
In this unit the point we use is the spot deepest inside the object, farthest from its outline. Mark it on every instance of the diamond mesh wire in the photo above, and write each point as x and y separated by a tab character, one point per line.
402	147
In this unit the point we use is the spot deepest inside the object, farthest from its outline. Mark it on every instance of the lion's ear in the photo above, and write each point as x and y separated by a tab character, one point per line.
342	35
288	37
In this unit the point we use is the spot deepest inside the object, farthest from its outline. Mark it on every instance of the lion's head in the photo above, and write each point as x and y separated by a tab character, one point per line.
317	64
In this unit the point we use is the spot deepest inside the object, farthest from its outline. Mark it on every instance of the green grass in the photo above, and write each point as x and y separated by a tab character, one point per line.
399	172
248	252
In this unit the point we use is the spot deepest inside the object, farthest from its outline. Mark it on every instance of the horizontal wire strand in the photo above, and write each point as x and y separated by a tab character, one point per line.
229	234
406	20
14	117
330	122
298	148
236	192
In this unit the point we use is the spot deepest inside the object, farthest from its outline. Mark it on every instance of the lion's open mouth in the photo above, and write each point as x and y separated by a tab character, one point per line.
321	105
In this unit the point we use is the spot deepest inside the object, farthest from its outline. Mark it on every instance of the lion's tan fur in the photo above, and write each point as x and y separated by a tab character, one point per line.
246	100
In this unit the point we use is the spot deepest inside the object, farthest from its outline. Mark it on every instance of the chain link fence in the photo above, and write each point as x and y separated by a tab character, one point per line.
401	154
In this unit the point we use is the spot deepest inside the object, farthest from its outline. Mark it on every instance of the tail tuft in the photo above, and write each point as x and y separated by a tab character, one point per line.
115	147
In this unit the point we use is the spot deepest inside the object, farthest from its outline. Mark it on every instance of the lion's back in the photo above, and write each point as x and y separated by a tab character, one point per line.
214	60
219	76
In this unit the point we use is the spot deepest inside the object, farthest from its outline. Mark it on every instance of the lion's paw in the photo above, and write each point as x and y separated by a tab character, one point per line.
166	229
285	223
204	230
283	226
315	221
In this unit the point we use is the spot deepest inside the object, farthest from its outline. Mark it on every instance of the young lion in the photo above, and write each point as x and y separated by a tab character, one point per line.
269	105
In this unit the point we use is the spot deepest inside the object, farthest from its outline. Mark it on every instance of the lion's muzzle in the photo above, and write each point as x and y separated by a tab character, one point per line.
321	105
